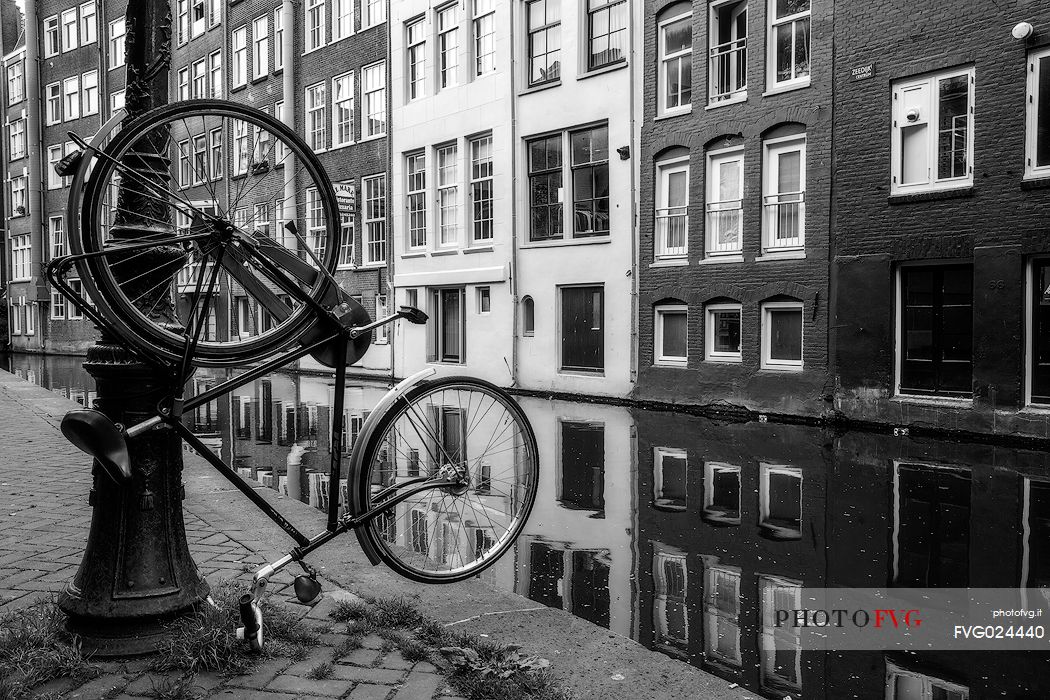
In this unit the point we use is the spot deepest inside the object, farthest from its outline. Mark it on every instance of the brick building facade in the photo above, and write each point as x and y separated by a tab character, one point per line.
735	192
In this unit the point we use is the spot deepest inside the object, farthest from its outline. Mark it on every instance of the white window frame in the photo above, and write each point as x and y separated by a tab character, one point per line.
436	348
215	74
185	163
53	104
784	365
343	109
710	354
772	24
662	554
19	192
446	166
346	257
415	59
314	24
116	101
665	59
381	337
16	317
666	219
482	170
70	29
54	155
416	200
659	311
16	131
242	147
904	115
71	98
659	453
927	683
30	318
316	228
730	51
182	22
278	39
771	636
484	300
58	306
447	45
373	94
260	46
371	222
710	512
216	162
21	257
483	35
342	19
711	614
56	234
315	127
773	199
89	93
73	313
717	209
199	79
375	12
52	36
88	23
182	84
117	34
15	82
239	42
198	18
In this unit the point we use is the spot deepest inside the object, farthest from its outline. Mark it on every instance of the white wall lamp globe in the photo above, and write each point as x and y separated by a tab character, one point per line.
1022	30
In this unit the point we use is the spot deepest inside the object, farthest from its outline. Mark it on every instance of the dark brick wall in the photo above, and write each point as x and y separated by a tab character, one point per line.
748	282
996	225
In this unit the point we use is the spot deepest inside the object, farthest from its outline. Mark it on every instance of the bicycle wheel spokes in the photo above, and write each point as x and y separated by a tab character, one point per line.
203	178
476	438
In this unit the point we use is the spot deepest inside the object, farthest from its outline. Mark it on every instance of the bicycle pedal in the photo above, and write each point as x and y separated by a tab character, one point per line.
307	589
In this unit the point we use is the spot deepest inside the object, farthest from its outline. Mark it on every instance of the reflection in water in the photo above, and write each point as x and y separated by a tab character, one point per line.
686	534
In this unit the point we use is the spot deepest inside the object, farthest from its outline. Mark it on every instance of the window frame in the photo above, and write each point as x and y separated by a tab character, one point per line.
1032	291
927	683
737	94
1035	68
659	312
16	139
53	99
437	353
446	201
715	160
199	78
660	502
70	40
278	39
711	512
562	340
373	221
71	98
772	24
772	199
545	28
261	47
710	354
21	258
447	45
415	59
315	28
215	85
662	250
375	12
416	200
373	92
15	81
528	316
589	37
480	174
239	56
769	363
54	155
315	116
343	104
52	36
342	13
56	236
711	614
117	43
483	37
663	61
770	634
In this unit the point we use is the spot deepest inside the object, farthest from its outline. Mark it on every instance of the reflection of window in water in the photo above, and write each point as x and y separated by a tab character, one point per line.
285	423
584	593
722	615
547	569
419	532
383	474
450	428
780	498
483	541
449	543
670	589
902	684
242	417
722	493
351	429
589	587
931	529
319	491
264	414
413	462
780	648
1035	562
582	465
386	523
670	467
484	478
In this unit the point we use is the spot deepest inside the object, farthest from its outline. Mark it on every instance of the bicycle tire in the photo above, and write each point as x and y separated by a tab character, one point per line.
401	539
227	195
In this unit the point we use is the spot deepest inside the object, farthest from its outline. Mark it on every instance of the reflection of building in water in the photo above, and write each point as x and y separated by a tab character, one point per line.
59	373
576	552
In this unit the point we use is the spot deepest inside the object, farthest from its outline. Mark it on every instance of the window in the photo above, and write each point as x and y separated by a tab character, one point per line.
375	12
69	29
278	40
722	615
672	335
545	188
415	41
88	28
912	685
528	317
721	493
670	592
316	228
782	335
239	42
447	333
375	218
214	12
416	200
1037	143
315	24
261	219
53	104
1039	333
346	224
57	234
381	333
200	159
16	132
788	50
343	19
724	208
19	189
606	33
52	40
117	30
316	117
448	46
1035	542
198	18
15	82
447	195
582	335
185	165
723	333
670	478
54	180
374	93
182	22
582	467
280	151
89	88
116	101
780	501
199	79
676	64
727	69
590	181
481	188
484	26
418	532
183	84
544	26
936	330
484	300
58	306
242	147
215	150
342	110
67	148
71	97
21	257
215	73
72	312
260	46
931	526
784	194
932	135
672	209
780	646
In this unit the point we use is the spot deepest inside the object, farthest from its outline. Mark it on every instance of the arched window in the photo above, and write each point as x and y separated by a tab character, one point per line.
528	316
672	204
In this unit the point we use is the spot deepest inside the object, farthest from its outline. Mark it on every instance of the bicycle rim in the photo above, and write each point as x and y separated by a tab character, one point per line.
196	186
456	425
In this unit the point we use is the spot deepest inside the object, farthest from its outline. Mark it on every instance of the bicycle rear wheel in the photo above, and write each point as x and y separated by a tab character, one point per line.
460	428
208	200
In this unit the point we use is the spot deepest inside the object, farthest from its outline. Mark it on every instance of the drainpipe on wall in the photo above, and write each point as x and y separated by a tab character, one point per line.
288	115
635	153
34	155
515	311
6	165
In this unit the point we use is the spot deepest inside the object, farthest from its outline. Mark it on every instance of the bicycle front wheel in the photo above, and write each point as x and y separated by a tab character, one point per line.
461	430
212	214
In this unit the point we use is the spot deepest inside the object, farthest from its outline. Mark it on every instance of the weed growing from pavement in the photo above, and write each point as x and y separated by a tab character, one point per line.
320	672
476	668
35	648
181	688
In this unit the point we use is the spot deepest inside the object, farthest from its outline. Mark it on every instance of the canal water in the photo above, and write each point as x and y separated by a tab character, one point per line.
684	533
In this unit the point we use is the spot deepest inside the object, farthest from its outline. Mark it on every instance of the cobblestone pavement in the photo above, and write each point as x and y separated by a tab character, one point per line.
44	521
